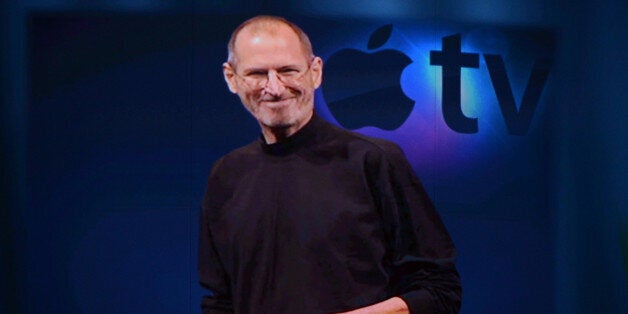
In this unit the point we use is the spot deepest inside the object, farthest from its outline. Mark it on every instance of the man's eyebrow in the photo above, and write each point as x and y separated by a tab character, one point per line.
265	69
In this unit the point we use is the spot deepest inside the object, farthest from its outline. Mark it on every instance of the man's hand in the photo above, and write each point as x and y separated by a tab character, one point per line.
393	305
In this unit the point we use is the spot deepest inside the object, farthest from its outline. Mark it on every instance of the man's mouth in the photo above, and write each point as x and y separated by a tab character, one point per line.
277	103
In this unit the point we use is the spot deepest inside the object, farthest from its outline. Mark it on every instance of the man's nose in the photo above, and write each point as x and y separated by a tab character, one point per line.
274	85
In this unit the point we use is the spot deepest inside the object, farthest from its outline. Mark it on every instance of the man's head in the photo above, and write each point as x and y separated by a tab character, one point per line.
274	72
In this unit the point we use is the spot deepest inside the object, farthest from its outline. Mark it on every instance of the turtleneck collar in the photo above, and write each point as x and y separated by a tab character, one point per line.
295	141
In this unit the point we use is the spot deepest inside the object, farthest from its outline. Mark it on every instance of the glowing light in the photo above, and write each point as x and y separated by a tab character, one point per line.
427	140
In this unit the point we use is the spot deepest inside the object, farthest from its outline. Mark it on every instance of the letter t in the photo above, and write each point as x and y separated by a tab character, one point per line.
452	59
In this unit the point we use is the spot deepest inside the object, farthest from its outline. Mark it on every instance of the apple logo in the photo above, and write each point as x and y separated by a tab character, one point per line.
362	89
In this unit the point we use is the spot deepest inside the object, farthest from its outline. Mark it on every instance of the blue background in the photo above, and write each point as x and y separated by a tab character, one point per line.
113	113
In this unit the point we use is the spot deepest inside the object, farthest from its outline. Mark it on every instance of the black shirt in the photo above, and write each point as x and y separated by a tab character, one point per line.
326	221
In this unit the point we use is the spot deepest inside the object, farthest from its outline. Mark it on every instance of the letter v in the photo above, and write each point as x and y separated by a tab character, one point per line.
517	121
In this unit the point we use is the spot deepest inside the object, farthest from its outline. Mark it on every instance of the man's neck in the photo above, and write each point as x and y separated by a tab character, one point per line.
274	135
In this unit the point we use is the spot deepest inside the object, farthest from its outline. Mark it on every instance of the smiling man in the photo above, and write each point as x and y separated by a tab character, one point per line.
311	218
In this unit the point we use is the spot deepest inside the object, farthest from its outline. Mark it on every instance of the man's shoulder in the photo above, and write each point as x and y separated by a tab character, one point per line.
248	151
357	141
377	154
238	158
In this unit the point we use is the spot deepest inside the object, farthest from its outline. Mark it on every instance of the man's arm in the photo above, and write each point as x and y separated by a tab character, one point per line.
212	275
421	252
393	305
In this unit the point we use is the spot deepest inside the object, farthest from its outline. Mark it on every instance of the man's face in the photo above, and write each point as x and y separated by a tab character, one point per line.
274	77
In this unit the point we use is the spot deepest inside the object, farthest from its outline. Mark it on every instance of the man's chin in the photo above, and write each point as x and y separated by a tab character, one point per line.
278	125
283	119
277	119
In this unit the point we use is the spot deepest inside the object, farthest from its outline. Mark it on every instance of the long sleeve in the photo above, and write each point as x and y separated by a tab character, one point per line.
421	254
211	271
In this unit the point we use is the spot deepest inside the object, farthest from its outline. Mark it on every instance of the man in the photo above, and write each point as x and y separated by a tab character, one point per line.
312	218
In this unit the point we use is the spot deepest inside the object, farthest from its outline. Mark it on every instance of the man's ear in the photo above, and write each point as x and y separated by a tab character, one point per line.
317	72
229	73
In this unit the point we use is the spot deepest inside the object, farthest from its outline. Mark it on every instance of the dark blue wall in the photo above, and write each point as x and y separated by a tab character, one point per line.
112	116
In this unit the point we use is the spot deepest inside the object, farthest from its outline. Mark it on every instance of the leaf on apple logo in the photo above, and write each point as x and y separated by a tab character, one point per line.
380	36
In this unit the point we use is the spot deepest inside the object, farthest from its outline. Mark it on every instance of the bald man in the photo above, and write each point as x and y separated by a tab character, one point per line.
311	218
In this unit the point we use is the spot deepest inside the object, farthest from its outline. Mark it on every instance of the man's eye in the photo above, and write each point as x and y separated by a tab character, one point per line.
256	74
289	72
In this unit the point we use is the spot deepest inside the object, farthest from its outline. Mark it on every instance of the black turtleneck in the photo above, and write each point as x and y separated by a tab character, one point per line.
324	221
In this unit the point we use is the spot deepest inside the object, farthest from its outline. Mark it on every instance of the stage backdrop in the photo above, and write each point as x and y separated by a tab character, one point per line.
125	111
